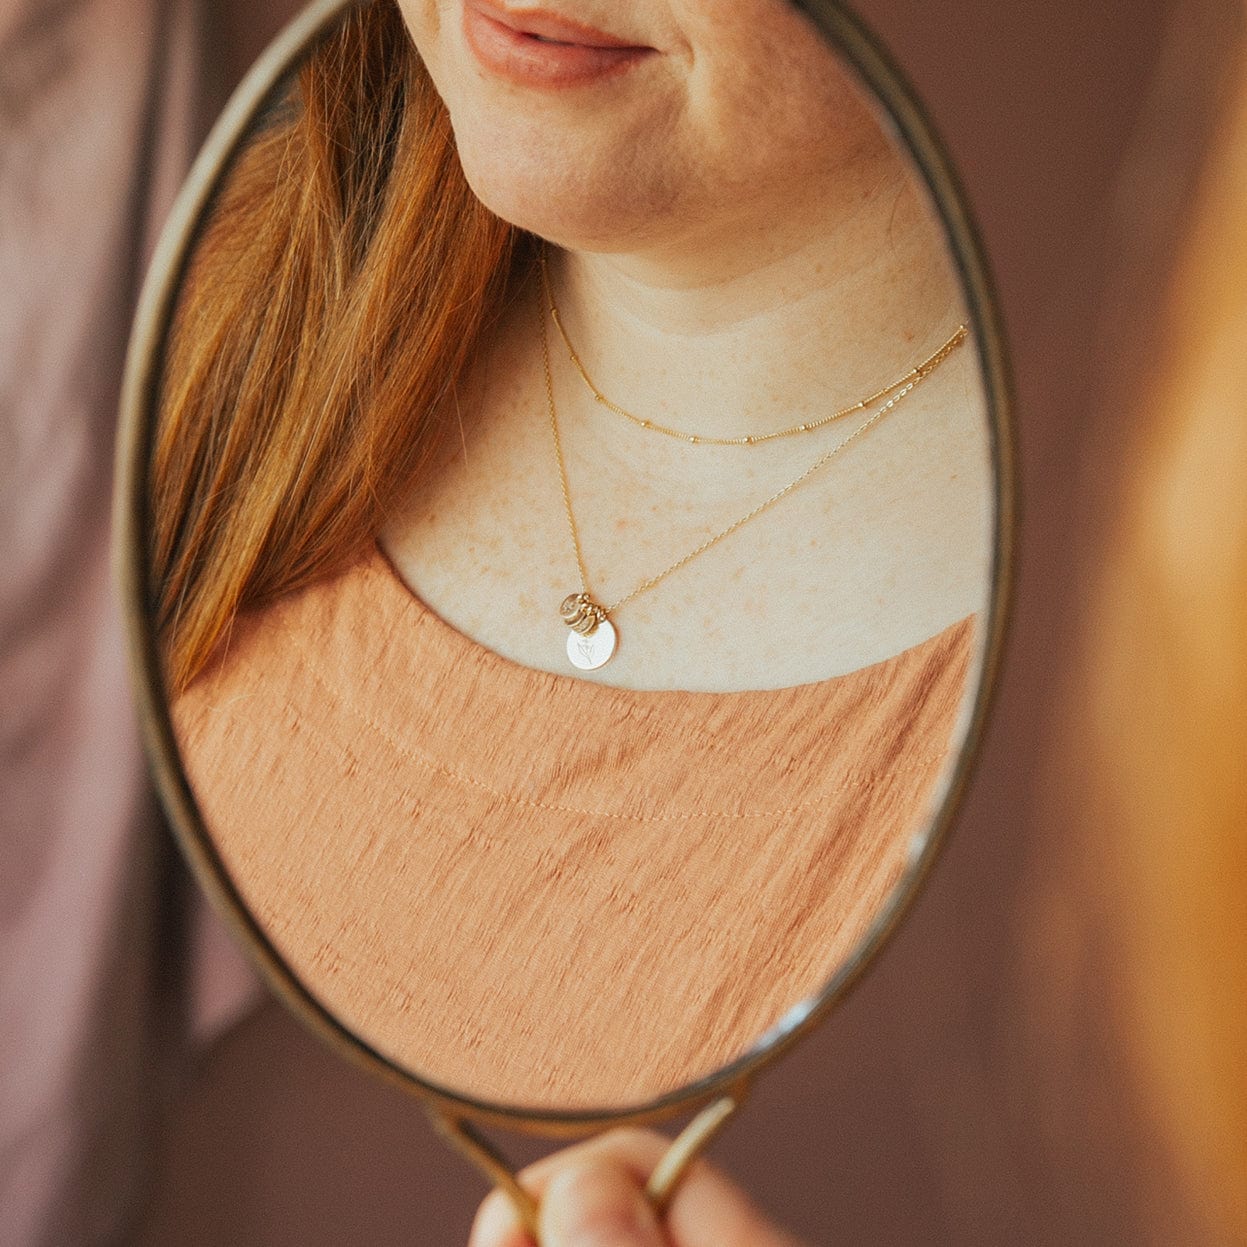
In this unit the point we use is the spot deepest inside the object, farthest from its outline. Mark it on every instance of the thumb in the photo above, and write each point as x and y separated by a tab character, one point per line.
600	1204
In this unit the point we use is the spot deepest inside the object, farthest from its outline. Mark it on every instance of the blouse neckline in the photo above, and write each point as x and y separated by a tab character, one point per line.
379	566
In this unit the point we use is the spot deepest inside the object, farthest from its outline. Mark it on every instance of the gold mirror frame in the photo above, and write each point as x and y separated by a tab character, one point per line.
714	1097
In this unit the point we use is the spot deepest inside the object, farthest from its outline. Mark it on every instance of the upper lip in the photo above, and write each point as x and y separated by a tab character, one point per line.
548	25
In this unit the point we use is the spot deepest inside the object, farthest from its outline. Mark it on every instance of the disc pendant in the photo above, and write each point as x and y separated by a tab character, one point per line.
593	650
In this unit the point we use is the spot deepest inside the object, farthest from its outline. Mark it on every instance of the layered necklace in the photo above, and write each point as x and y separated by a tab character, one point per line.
592	637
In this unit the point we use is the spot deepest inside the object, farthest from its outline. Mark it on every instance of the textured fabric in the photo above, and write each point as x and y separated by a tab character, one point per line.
542	890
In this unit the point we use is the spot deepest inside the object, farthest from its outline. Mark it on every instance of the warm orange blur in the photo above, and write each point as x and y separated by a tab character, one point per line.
1162	688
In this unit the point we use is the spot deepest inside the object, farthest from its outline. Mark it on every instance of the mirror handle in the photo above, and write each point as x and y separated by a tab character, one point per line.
662	1184
477	1150
688	1145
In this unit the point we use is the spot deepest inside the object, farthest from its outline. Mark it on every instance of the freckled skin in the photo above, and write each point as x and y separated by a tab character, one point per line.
736	246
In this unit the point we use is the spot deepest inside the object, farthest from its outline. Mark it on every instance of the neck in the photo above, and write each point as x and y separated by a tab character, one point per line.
764	325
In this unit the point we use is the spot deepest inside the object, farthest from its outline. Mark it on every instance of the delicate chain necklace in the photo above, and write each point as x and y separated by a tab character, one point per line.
751	439
592	638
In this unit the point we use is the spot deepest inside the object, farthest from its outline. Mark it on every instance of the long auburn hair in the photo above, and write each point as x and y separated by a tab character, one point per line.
336	296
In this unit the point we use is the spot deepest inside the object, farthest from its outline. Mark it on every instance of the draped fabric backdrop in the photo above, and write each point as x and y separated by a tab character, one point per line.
101	105
971	1090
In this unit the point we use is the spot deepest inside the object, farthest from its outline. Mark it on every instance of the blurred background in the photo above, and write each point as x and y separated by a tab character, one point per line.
1052	1048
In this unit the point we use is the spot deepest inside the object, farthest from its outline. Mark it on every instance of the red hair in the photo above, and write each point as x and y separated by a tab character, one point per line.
335	299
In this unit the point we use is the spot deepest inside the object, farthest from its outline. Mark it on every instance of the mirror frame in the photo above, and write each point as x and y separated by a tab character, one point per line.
913	130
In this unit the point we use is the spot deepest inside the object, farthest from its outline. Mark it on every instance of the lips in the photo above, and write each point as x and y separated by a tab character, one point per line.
538	48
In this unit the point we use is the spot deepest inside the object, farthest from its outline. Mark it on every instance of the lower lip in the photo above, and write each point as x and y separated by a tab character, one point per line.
532	62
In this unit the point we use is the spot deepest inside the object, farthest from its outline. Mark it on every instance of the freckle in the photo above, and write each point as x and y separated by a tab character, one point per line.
621	523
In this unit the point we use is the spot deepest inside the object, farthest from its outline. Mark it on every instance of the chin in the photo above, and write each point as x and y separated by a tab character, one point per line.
574	200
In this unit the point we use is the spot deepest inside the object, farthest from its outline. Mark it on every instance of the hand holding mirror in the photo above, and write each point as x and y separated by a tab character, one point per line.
366	468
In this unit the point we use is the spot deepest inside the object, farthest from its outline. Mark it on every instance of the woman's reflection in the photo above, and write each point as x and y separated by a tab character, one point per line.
743	473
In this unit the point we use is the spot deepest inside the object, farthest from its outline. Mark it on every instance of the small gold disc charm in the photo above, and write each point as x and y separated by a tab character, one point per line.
581	613
594	650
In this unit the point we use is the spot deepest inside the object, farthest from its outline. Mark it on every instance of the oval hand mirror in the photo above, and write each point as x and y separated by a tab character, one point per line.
563	504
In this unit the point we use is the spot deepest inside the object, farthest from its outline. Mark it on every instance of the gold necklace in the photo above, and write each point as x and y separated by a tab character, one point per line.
752	439
592	638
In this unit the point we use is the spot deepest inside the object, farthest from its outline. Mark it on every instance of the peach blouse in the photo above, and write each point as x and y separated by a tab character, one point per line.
538	890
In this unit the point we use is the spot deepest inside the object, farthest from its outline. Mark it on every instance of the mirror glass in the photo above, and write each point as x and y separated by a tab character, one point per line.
571	536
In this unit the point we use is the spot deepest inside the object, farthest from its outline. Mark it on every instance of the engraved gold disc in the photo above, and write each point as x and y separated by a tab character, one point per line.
592	651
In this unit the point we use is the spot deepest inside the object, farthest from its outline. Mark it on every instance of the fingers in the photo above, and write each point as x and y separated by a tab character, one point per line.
496	1224
598	1203
592	1195
627	1154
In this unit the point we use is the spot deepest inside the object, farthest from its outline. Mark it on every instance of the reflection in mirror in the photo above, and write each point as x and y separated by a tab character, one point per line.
571	527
